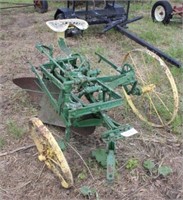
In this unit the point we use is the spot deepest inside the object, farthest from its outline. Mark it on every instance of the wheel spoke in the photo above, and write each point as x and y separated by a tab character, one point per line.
137	70
163	103
157	106
154	107
145	66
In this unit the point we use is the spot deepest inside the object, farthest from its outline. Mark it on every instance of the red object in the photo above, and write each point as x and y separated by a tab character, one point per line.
178	10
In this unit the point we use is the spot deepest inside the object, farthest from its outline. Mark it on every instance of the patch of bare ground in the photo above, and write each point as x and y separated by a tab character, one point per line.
23	176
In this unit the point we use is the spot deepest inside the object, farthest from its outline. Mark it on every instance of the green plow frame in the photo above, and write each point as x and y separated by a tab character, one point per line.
83	97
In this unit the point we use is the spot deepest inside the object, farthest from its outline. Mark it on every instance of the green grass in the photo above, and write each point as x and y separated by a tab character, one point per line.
15	130
177	124
2	142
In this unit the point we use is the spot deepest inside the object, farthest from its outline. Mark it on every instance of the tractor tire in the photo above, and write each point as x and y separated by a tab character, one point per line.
41	6
161	12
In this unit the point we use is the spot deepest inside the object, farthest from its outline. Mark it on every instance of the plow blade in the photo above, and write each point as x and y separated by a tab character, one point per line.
31	86
47	114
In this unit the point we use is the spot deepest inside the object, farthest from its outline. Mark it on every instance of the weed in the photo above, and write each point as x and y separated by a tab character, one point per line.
164	170
149	164
101	156
132	164
161	170
82	175
177	124
88	192
2	142
15	130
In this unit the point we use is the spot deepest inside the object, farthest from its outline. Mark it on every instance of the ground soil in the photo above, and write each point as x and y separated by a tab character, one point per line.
23	176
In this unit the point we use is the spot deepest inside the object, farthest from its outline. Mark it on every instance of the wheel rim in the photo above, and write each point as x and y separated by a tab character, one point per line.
158	105
50	152
159	13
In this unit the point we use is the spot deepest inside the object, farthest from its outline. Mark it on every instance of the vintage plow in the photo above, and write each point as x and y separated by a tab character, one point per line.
78	97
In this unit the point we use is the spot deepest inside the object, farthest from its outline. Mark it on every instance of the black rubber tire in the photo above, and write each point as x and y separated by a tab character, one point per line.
41	6
167	9
60	16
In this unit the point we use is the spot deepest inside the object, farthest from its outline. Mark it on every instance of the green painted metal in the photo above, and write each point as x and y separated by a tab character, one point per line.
111	161
84	96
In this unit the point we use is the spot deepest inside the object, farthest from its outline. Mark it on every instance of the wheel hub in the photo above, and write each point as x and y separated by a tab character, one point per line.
148	88
160	13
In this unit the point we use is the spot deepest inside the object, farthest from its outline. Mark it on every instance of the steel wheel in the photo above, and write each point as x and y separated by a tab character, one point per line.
50	152
158	105
161	12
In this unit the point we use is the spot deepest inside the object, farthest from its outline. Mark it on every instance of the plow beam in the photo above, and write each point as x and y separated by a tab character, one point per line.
149	46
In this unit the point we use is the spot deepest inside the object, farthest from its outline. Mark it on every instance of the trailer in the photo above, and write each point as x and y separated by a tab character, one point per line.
112	15
163	11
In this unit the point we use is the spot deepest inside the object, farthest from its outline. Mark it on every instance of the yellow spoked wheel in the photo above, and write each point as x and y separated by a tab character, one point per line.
50	152
158	105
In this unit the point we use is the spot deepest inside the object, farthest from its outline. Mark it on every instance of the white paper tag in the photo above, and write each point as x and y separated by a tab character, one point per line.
129	133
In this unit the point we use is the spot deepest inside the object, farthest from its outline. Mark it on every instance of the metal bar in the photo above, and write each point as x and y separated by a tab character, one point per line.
94	108
128	8
43	86
51	77
107	61
149	46
121	22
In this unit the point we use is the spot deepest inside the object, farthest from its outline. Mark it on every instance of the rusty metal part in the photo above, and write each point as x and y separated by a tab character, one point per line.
178	10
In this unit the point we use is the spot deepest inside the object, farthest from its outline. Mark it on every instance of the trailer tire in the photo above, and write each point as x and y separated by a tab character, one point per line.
161	12
41	6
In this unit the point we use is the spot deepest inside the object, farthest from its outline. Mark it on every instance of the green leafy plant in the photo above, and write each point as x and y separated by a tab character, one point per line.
88	192
82	175
149	165
101	156
132	164
164	170
15	130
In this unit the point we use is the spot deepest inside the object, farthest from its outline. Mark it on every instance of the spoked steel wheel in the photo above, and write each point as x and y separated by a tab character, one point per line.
50	152
162	12
158	105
